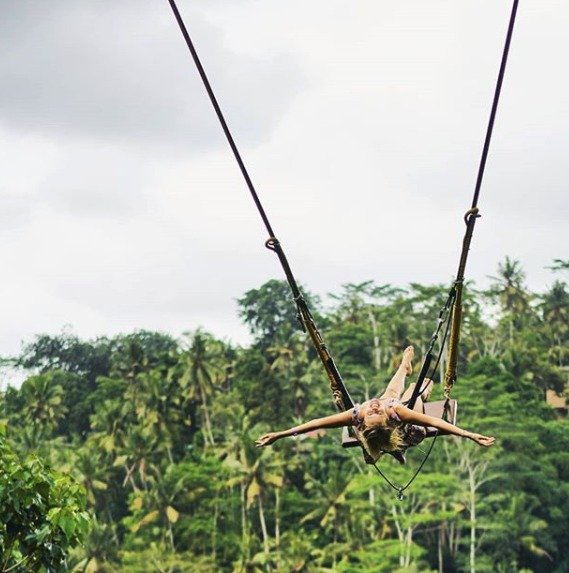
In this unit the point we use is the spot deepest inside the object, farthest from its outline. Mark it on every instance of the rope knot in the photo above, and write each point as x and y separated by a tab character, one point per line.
471	213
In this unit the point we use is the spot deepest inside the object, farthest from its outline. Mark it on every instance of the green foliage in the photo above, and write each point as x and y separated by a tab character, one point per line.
66	352
159	434
270	312
43	513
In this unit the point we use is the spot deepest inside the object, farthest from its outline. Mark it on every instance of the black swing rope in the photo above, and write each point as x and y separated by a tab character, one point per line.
454	299
470	220
342	398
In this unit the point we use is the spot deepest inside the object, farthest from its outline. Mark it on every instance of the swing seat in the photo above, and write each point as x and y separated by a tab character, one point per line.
348	438
435	409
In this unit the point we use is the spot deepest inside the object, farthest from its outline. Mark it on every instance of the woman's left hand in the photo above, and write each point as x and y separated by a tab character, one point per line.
481	440
267	439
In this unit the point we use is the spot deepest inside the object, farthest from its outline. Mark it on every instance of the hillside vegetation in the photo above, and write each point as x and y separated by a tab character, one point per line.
159	433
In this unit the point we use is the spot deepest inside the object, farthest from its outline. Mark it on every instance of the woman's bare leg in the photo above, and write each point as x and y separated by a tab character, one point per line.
397	384
425	395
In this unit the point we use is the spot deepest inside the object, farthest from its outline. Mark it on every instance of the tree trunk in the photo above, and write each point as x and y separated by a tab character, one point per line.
263	526
440	550
409	544
472	486
400	536
214	532
208	433
376	345
453	540
278	526
128	477
244	548
335	542
171	536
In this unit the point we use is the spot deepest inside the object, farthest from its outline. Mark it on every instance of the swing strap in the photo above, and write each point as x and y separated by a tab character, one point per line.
472	214
341	396
455	295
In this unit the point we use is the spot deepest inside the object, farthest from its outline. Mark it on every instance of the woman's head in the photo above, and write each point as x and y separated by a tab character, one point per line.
379	434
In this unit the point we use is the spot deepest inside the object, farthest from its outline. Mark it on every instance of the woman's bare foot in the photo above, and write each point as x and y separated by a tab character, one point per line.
407	359
426	393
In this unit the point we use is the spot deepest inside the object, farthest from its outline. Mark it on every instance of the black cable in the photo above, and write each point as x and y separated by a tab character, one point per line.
219	113
273	244
444	339
442	319
495	105
400	489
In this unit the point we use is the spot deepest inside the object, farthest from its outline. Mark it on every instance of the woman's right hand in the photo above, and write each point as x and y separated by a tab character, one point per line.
267	439
481	440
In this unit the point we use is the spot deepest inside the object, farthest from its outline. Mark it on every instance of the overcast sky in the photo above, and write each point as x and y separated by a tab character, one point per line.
361	123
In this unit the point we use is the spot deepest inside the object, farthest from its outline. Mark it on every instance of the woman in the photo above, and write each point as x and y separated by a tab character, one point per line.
384	423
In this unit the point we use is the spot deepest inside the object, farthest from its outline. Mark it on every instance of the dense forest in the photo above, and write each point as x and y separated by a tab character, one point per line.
135	453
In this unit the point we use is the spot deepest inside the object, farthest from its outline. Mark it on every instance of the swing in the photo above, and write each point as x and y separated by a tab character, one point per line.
449	316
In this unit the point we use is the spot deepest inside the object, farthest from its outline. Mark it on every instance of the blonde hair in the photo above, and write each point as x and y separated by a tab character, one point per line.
380	439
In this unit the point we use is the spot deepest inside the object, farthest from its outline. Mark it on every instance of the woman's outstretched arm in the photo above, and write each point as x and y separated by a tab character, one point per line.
413	417
333	421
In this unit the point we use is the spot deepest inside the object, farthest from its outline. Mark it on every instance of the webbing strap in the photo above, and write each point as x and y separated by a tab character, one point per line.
340	394
456	319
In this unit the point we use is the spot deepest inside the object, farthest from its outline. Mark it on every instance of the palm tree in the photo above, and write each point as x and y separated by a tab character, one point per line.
158	408
43	408
156	503
235	453
256	472
555	312
204	368
332	508
517	530
290	361
89	466
559	265
362	304
113	416
510	291
100	548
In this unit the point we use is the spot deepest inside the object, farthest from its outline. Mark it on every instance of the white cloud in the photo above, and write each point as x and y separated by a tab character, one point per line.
361	125
121	70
